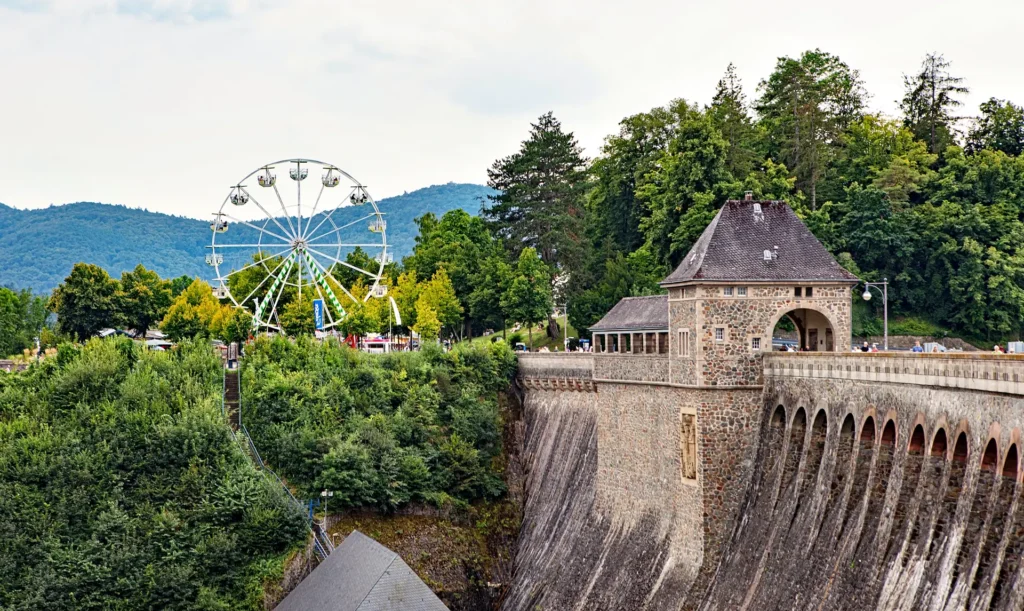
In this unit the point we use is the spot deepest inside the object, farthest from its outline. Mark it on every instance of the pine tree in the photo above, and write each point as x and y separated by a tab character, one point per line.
730	114
931	97
540	199
805	106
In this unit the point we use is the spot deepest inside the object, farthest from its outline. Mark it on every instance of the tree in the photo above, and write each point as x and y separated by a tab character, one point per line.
297	317
427	324
540	195
627	159
439	296
689	181
805	106
883	153
528	297
194	312
929	101
179	284
489	283
999	128
730	114
84	302
142	299
457	243
10	322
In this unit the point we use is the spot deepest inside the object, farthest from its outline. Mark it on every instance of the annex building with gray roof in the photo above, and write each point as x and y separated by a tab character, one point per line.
362	575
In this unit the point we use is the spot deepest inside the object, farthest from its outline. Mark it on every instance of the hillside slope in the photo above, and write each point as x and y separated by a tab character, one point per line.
39	247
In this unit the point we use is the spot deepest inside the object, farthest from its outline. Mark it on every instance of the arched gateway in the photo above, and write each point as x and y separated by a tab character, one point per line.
755	264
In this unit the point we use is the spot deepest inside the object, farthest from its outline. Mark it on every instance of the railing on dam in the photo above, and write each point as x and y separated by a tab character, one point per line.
999	373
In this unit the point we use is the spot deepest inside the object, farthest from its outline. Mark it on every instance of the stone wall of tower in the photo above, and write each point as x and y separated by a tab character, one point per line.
702	312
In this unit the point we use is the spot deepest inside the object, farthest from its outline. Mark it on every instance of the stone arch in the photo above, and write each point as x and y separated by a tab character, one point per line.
962	449
916	440
889	433
867	430
1010	463
779	416
849	427
990	457
833	327
940	444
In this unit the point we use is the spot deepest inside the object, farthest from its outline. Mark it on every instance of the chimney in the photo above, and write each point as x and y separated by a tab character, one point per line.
749	195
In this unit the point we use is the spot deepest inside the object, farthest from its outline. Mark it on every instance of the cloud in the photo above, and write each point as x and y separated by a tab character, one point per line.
176	10
28	6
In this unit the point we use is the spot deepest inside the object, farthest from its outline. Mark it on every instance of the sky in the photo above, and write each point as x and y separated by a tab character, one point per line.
162	104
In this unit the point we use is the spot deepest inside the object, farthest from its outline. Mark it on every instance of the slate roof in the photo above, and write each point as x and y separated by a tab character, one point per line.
362	575
636	314
733	244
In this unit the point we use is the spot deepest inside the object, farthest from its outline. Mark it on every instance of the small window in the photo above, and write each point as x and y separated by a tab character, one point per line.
684	343
755	343
767	255
741	291
719	334
796	291
809	292
727	291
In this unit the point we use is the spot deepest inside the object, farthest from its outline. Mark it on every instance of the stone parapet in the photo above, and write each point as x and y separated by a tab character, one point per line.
631	368
998	373
579	365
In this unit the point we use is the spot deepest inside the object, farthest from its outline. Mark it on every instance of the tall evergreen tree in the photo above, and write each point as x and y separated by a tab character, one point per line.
929	102
540	195
805	106
730	114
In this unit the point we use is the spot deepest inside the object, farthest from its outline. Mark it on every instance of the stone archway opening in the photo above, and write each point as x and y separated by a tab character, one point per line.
806	330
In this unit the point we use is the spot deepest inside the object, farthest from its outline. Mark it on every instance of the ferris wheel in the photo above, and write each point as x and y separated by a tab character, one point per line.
271	245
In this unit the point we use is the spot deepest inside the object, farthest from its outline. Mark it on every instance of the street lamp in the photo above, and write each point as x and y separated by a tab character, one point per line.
884	292
326	494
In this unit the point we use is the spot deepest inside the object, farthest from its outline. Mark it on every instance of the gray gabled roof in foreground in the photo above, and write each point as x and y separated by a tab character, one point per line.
732	248
636	314
362	575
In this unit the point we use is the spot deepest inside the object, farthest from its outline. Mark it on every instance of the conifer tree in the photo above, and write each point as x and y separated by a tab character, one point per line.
540	195
929	102
730	114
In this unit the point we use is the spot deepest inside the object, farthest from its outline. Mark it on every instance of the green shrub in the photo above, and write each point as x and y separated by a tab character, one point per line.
379	430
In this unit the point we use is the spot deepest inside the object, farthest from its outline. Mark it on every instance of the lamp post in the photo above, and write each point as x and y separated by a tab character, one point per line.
884	291
326	494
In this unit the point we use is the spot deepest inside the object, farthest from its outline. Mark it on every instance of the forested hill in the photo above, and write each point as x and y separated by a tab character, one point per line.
39	247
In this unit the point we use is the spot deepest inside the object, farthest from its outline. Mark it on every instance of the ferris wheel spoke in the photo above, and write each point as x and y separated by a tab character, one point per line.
216	246
331	212
316	285
309	221
277	299
287	215
254	264
269	216
345	226
347	245
257	228
262	282
331	276
345	263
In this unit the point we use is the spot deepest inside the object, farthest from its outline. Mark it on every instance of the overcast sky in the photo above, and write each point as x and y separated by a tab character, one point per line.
162	104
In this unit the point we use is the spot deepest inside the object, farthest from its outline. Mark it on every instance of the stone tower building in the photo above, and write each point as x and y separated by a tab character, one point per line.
755	263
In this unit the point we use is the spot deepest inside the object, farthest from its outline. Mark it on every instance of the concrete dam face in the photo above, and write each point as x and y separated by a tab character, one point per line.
843	481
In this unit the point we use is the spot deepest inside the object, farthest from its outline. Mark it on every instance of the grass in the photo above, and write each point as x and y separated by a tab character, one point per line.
540	337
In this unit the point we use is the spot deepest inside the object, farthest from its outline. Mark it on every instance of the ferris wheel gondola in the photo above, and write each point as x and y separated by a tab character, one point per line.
280	252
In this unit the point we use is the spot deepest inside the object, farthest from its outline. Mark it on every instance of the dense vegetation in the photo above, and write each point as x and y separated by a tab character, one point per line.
122	488
38	247
380	431
930	200
22	318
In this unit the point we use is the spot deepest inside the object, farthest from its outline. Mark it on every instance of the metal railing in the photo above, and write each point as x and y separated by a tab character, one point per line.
322	545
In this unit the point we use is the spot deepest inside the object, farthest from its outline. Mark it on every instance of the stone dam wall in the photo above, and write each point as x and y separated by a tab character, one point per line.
845	481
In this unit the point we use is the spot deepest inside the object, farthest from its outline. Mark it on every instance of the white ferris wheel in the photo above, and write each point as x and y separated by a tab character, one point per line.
270	239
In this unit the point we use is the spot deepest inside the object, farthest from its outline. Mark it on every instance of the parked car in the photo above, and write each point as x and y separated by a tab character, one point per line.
521	347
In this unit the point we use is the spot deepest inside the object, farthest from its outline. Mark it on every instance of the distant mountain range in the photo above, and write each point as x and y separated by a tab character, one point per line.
39	247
